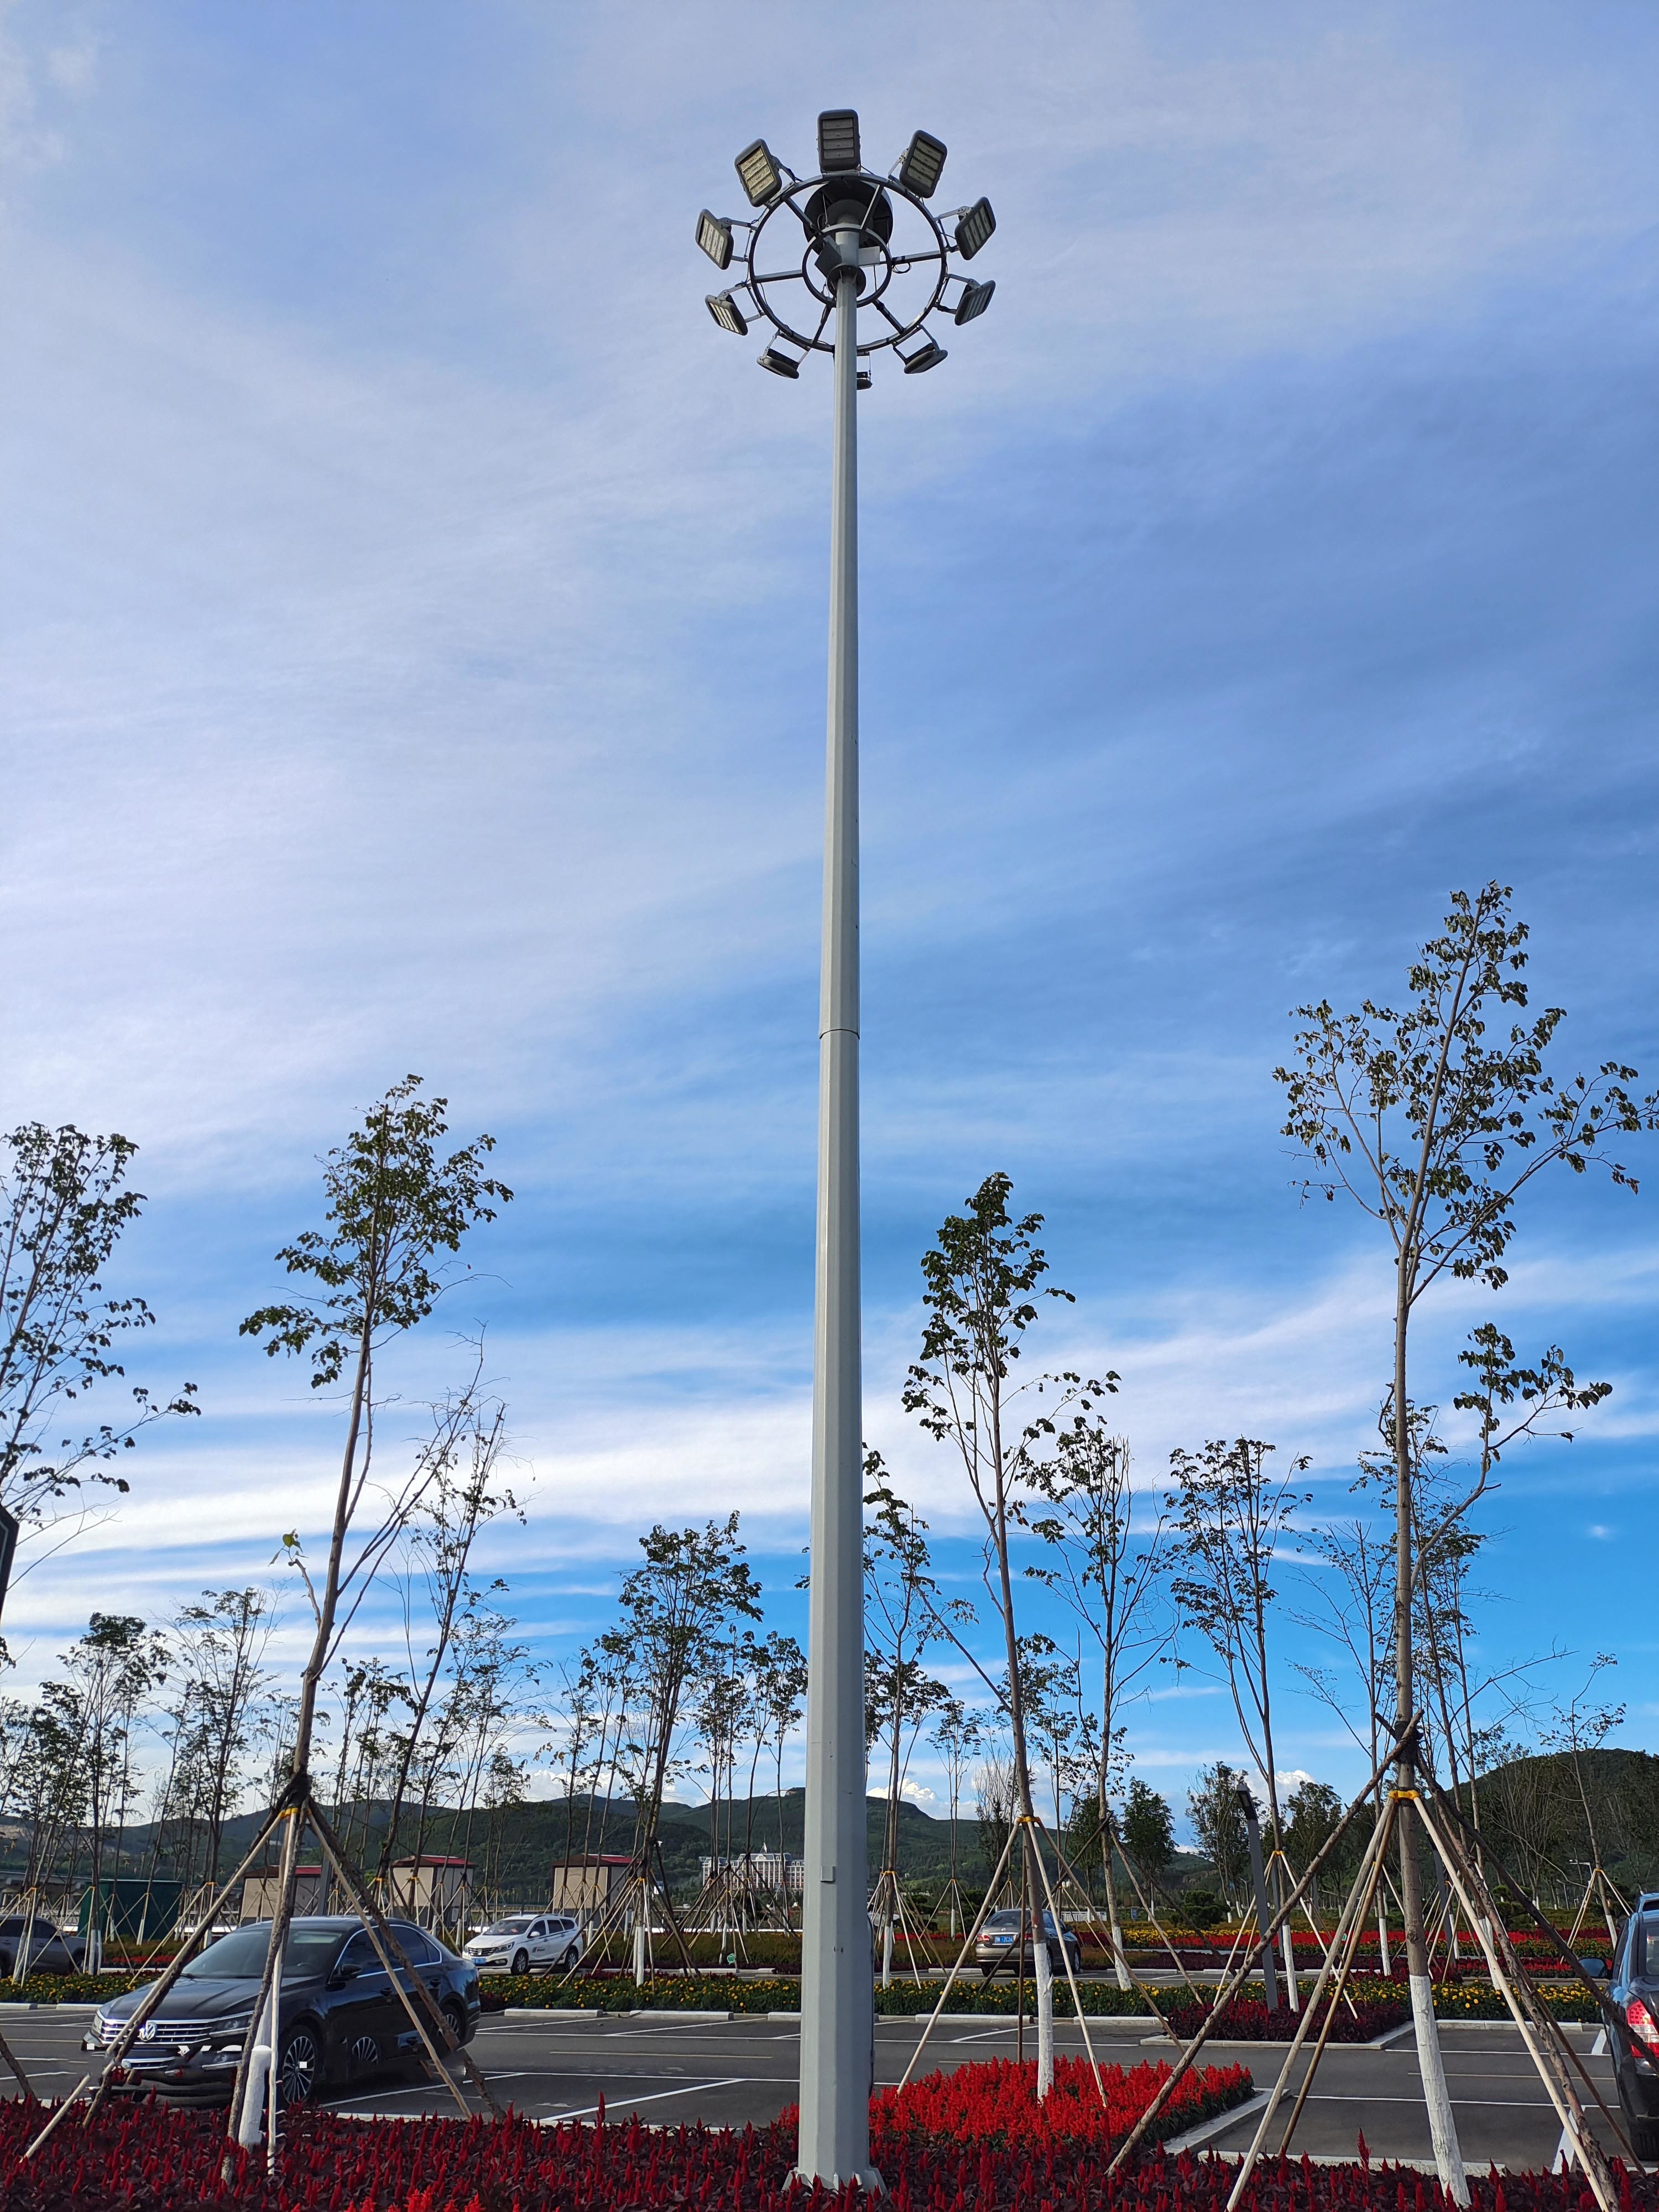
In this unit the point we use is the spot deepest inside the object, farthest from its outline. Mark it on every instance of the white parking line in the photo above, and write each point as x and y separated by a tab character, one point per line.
689	2089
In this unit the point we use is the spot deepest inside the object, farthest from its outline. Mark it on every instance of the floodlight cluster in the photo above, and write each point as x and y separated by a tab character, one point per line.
875	235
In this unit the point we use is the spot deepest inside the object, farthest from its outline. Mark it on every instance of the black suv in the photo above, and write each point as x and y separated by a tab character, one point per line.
339	2017
1635	1993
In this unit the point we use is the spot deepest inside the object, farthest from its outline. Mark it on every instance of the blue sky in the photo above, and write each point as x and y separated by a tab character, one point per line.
414	660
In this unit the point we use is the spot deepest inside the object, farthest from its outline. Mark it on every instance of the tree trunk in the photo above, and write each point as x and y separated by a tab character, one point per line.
1045	1987
1442	2126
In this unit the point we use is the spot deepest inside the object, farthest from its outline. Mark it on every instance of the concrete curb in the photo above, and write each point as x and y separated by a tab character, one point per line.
50	2004
1208	2130
1069	2020
546	2012
678	2012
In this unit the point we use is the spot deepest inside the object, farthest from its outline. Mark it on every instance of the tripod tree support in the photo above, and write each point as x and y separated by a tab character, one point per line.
1235	1980
157	1990
416	1997
1352	1914
1527	2008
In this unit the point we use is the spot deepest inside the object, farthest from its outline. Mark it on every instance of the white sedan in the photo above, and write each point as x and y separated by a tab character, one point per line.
526	1943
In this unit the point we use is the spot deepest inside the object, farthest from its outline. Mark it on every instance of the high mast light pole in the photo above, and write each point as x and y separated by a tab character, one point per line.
820	249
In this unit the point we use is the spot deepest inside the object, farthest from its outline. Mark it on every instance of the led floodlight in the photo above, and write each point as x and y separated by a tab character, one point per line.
758	173
728	313
715	236
923	164
838	141
974	226
975	300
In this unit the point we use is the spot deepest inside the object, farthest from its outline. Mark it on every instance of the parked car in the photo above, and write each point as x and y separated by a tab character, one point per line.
998	1944
339	2016
527	1943
1634	1988
51	1950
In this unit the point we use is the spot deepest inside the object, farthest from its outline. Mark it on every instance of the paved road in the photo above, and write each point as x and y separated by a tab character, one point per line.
551	2066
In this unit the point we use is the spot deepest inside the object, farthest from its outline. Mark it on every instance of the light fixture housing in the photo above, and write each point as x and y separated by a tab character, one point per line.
922	164
926	355
779	363
974	227
728	313
759	174
715	236
975	300
838	141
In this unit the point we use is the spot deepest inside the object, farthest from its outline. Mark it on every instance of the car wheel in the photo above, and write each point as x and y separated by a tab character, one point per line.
299	2070
1644	2134
455	2020
986	1973
520	1962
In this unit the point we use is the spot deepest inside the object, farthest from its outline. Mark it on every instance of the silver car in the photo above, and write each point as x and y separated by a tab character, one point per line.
526	1943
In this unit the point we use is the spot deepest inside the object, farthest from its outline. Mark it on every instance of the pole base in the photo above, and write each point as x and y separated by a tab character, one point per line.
867	2178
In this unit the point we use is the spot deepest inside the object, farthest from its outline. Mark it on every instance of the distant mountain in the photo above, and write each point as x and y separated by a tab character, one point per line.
1535	1817
515	1848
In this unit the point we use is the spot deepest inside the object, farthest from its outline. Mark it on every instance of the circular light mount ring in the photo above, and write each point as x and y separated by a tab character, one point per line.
869	203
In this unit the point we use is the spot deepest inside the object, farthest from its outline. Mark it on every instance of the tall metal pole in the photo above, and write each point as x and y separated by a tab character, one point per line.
837	2039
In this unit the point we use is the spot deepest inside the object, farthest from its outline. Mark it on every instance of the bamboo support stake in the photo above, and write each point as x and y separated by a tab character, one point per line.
1356	1932
1509	1979
1230	1987
417	1995
1135	1982
1453	1817
966	1945
1070	1976
1358	1897
157	1990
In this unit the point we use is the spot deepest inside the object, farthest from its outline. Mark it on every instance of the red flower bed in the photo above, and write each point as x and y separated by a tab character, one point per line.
144	2159
996	2102
1246	2020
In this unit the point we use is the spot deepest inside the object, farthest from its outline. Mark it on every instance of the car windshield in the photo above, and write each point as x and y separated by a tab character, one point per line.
1003	1920
240	1957
510	1927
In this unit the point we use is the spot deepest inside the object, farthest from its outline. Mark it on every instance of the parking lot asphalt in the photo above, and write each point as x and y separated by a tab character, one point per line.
549	2065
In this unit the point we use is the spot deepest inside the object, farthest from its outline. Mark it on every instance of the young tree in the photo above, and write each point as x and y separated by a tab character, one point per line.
1435	1134
1311	1815
114	1667
1580	1728
1108	1566
224	1682
1213	1807
1148	1826
900	1626
780	1683
459	1502
375	1272
998	1808
63	1205
958	1735
675	1609
369	1746
981	1283
1230	1515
